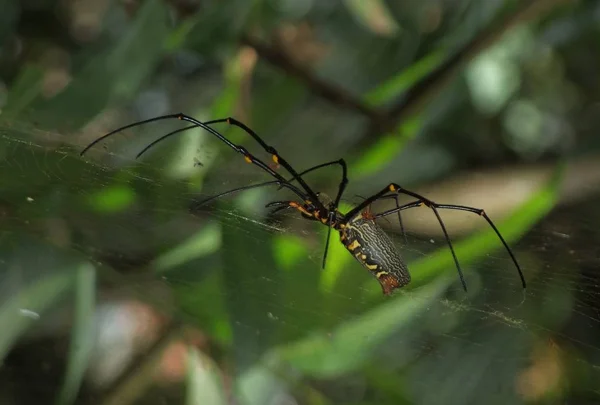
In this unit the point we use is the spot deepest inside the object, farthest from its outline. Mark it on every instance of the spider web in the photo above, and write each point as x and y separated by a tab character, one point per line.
253	283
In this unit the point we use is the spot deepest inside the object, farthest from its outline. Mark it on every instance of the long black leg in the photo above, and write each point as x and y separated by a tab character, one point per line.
395	197
336	203
162	138
258	185
483	214
240	149
235	190
395	188
277	158
333	208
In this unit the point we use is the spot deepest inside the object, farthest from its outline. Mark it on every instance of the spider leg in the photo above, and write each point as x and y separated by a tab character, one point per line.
162	138
395	197
240	149
252	186
233	191
395	188
281	205
277	158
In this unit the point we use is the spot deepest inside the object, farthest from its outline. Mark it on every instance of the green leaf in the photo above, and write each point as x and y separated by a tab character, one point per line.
259	384
485	241
116	73
33	299
203	243
347	348
374	15
25	89
405	79
249	272
112	199
386	149
482	243
204	383
82	333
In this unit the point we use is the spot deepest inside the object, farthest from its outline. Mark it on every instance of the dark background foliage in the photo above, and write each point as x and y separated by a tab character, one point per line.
116	289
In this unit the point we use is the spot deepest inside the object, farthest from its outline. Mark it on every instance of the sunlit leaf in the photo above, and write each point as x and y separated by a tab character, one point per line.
204	383
405	79
288	250
386	149
112	199
203	243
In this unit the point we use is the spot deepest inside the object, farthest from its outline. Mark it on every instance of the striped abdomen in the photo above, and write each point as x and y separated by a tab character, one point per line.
374	249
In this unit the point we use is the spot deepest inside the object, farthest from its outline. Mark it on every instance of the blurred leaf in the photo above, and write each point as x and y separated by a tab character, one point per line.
296	295
386	149
427	77
112	198
482	243
82	334
275	100
204	242
24	90
204	382
405	79
251	282
216	28
374	15
260	385
288	250
337	257
204	301
349	346
35	298
116	73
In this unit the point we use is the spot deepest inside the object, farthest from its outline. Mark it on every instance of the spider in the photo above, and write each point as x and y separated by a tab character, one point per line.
359	232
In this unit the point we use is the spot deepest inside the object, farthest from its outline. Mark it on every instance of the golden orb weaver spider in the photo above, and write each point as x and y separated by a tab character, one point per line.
359	232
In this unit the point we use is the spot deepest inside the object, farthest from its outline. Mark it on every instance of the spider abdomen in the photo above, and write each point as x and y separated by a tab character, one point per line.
374	249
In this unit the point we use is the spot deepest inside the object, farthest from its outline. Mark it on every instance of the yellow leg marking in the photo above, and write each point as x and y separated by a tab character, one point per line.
392	187
353	245
300	208
381	273
371	266
276	159
247	159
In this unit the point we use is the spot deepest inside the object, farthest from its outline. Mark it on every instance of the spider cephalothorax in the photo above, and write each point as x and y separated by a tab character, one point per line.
358	229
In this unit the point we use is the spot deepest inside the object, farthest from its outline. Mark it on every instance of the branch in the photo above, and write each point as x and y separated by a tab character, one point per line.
422	92
334	94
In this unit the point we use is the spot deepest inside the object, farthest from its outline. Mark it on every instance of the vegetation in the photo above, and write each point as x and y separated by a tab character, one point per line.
119	289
